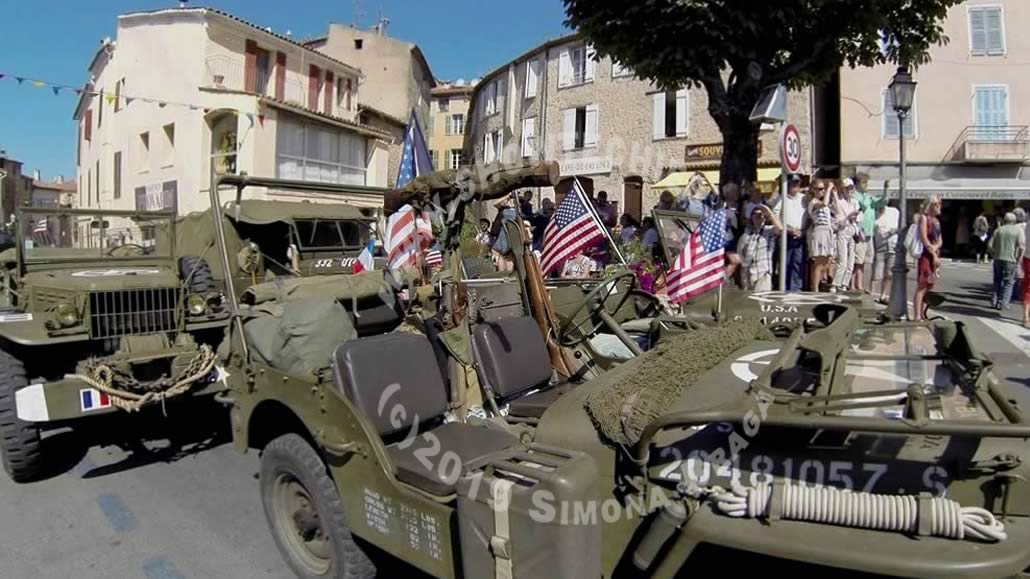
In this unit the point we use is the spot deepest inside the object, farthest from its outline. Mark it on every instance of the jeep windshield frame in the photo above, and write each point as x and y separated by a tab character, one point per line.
28	255
364	230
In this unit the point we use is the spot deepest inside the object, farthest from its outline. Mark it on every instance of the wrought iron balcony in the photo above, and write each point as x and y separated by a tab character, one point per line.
991	144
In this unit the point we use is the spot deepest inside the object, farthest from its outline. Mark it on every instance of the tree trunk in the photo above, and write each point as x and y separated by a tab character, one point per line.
740	149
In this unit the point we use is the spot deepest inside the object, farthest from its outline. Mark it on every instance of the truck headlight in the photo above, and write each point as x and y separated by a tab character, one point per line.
196	304
67	315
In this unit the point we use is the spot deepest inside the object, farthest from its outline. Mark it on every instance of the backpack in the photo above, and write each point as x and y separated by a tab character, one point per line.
913	244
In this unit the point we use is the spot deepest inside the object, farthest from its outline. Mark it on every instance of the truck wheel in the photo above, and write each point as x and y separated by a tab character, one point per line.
196	272
19	441
305	513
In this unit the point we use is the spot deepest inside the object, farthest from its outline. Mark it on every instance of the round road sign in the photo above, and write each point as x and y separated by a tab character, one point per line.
790	149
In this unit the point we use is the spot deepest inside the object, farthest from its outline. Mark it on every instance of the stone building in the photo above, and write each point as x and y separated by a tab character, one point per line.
615	132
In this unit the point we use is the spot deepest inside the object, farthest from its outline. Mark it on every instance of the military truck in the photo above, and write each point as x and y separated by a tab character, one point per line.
99	317
438	420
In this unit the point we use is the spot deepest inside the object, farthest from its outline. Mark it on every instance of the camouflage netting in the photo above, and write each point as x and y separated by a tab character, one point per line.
647	386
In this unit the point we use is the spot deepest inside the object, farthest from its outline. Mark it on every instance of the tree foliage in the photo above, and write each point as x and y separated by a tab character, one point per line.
734	48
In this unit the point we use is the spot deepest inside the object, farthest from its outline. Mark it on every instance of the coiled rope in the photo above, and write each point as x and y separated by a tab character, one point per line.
102	378
925	515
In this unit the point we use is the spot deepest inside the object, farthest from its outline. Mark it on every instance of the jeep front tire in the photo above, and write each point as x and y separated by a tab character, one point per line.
305	513
19	441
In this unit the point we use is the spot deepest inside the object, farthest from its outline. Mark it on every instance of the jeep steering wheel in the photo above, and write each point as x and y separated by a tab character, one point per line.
142	250
597	305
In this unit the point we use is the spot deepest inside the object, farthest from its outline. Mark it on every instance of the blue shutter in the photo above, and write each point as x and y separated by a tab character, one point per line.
978	30
991	106
992	27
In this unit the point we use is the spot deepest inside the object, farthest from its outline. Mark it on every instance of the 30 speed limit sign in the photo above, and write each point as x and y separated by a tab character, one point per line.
790	149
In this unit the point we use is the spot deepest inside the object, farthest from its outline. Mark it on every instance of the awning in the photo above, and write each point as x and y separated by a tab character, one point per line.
678	181
952	182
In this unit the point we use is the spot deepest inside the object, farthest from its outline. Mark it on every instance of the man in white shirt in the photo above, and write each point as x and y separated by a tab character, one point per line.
885	244
796	225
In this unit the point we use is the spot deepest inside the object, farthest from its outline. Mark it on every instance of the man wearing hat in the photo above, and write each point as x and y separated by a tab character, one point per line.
795	225
868	205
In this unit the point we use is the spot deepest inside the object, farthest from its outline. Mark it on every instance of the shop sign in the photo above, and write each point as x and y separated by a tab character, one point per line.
585	166
710	151
969	195
157	196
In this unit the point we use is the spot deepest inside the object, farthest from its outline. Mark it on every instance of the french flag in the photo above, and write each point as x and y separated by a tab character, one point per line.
94	399
366	260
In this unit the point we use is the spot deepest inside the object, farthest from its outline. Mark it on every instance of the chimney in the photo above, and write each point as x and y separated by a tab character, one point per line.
60	179
35	174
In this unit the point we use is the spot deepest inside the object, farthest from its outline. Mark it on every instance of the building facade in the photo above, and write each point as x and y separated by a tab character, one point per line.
447	117
234	98
395	82
615	132
968	135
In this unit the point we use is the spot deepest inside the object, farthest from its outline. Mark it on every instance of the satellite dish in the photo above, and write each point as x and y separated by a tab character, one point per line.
771	106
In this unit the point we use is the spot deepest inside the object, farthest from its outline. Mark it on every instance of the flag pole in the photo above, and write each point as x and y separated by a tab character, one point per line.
593	212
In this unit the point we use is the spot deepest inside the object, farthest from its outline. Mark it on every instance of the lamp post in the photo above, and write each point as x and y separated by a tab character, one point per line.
902	89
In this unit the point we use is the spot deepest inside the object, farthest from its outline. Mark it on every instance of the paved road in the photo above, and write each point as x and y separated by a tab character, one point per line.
188	507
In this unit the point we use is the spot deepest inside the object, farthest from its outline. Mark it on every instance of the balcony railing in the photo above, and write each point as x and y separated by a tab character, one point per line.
991	144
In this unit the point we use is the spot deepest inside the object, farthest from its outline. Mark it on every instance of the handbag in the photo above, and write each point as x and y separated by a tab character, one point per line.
913	244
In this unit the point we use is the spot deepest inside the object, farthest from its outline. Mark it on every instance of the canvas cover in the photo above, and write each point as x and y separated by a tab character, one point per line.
355	287
263	212
297	337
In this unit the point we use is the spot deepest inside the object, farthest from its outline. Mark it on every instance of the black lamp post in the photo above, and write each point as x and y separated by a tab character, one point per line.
903	90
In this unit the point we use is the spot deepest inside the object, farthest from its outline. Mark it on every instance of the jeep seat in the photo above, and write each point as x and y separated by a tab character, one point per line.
394	380
514	361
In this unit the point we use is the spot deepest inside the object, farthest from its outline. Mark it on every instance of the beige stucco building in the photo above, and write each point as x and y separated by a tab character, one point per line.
395	80
616	132
968	136
183	90
447	116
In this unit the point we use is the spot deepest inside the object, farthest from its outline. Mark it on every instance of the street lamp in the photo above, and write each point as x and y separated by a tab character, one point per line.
903	90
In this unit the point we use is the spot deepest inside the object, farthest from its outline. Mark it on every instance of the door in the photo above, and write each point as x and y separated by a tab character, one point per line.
991	112
632	195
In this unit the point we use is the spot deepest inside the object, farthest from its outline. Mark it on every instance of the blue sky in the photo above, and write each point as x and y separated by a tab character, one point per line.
53	40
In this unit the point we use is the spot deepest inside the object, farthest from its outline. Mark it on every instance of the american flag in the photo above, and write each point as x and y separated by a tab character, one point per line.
434	258
572	230
415	158
408	234
700	266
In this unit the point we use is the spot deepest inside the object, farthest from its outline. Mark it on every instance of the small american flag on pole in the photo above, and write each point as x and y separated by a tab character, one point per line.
408	234
434	258
572	230
700	266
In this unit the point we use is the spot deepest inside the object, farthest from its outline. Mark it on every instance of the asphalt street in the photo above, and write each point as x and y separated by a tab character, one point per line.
185	505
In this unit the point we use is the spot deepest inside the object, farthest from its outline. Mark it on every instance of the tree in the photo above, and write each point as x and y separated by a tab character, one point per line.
734	48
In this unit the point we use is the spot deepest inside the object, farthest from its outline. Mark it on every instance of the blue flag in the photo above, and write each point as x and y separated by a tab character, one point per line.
415	158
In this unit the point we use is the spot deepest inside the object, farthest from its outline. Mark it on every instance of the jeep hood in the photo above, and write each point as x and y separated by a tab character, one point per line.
107	278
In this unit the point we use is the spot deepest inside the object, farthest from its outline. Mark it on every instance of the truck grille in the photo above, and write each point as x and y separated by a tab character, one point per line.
130	312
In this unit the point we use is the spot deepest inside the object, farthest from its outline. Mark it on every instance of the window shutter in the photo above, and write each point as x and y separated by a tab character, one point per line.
568	129
590	138
280	75
350	91
528	134
88	122
329	83
978	30
658	116
532	77
588	64
564	68
890	119
992	26
682	113
250	62
313	74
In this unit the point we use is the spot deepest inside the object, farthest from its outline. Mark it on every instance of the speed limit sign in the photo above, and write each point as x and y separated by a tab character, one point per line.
790	149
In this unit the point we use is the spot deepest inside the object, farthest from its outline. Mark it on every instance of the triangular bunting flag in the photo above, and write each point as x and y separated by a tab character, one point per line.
56	90
128	101
110	99
19	79
250	117
78	91
38	84
2	76
261	119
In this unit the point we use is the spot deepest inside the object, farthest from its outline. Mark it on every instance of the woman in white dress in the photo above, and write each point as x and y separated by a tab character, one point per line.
821	239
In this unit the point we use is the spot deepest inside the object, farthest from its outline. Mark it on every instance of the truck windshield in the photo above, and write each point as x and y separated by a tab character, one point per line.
55	235
331	234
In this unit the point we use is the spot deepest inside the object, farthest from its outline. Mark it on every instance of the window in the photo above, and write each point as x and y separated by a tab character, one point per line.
986	30
575	66
890	118
118	175
991	111
97	174
264	71
118	95
671	114
533	71
493	97
89	187
492	147
579	127
619	70
359	44
100	108
457	159
308	151
143	158
169	145
443	104
456	124
87	124
529	137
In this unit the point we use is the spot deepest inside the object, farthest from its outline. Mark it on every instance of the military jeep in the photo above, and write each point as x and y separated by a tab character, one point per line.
450	421
100	317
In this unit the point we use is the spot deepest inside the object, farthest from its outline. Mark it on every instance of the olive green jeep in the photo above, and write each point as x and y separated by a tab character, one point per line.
452	420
